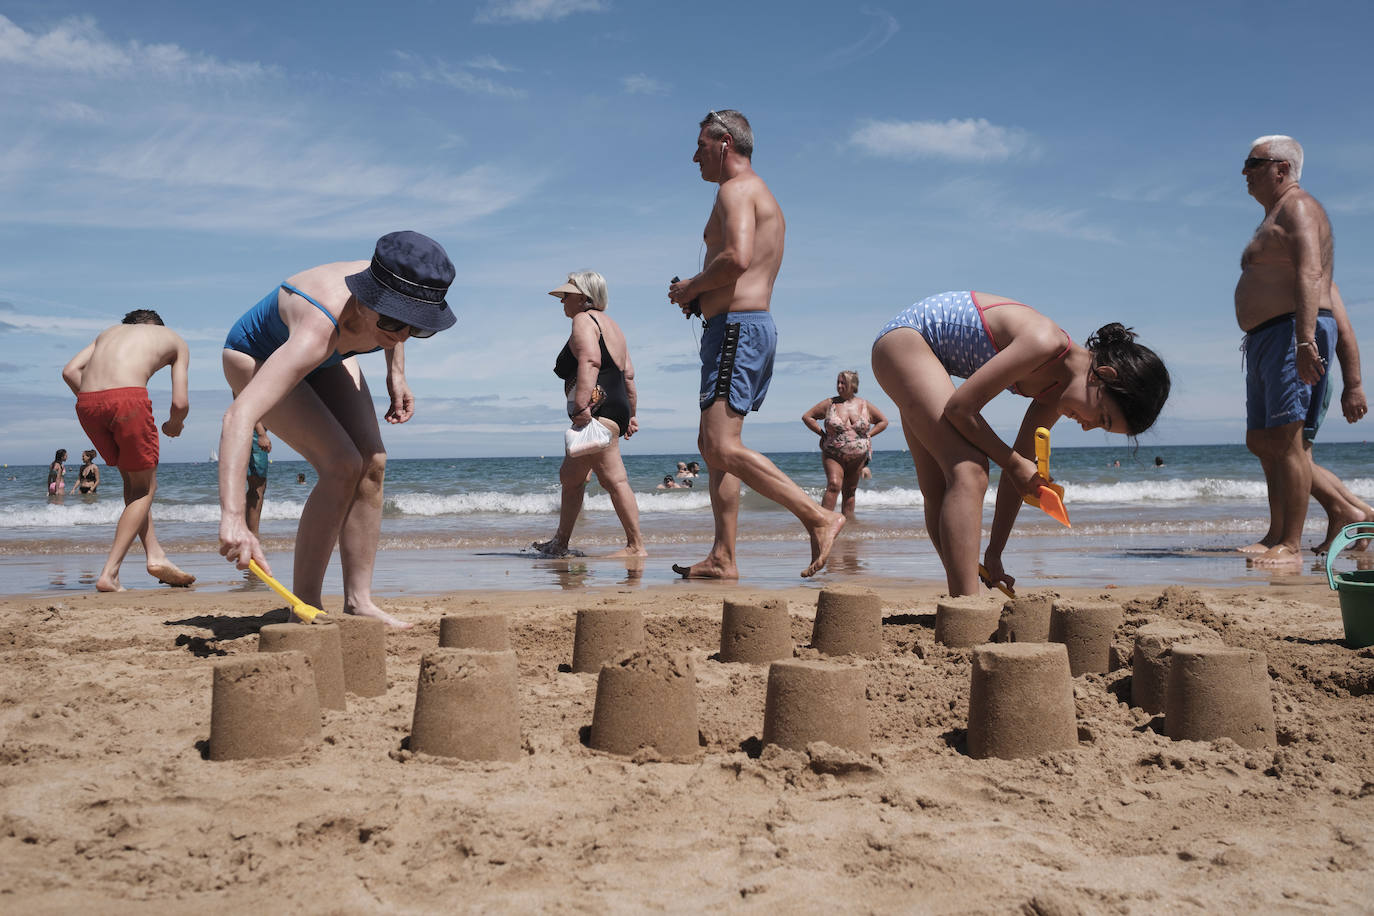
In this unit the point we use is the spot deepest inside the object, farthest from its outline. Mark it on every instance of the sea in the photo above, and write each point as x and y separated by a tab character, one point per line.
467	523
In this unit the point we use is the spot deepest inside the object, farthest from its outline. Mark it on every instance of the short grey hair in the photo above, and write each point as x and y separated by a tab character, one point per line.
592	285
729	121
1285	148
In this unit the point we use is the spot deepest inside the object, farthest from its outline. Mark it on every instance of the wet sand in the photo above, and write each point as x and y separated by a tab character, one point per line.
110	803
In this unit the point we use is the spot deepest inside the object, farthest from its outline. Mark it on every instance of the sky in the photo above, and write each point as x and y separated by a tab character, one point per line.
1083	157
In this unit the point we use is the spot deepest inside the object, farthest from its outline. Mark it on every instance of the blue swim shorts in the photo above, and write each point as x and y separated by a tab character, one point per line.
737	359
257	460
1274	395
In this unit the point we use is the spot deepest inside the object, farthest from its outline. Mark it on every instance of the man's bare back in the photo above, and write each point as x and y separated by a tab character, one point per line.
1268	285
127	355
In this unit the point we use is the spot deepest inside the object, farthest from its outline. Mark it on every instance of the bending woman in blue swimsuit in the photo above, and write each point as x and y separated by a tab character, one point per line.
289	361
994	342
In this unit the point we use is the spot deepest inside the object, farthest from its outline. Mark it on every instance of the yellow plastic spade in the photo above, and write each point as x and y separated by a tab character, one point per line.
1051	498
305	612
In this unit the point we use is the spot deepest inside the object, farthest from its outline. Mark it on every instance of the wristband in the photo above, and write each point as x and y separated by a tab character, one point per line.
1309	343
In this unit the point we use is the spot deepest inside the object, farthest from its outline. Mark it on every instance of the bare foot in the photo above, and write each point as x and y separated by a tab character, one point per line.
167	573
108	585
395	623
556	549
1280	556
822	539
1258	547
707	569
630	552
1334	526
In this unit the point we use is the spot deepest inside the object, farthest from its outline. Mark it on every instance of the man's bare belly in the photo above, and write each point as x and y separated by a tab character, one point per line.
1264	291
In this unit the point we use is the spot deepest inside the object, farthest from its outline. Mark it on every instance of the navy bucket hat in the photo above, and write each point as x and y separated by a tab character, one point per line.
407	280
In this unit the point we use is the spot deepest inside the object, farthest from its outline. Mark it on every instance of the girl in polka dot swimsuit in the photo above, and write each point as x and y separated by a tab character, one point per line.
998	343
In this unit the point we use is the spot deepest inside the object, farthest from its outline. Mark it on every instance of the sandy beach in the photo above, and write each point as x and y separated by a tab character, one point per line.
110	803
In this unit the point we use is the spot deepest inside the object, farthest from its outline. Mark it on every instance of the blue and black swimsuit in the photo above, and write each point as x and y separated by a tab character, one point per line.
260	332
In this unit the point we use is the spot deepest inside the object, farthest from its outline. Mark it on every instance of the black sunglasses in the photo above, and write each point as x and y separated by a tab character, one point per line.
1255	161
396	325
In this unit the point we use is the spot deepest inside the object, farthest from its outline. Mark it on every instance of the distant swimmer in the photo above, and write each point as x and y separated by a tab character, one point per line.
846	424
57	473
110	380
996	343
732	294
88	477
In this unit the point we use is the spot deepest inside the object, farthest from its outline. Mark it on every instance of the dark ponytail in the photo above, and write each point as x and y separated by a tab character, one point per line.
1141	385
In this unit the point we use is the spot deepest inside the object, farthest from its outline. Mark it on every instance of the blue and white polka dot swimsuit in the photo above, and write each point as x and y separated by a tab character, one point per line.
952	323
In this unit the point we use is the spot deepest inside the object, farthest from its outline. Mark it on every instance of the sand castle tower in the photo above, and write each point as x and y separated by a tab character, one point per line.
1086	629
1219	692
263	705
1021	701
810	700
1154	643
1025	618
363	648
321	641
605	633
848	622
755	632
474	631
467	705
647	700
966	621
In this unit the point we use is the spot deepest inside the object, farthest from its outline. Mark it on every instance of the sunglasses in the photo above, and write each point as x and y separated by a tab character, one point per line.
396	325
1255	162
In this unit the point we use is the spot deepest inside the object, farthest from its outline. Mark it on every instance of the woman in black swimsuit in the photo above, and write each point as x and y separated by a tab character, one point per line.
88	478
598	381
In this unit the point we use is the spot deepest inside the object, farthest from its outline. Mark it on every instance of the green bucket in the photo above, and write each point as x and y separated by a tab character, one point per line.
1356	589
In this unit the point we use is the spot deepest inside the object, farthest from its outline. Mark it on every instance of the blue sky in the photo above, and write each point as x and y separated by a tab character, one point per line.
1083	157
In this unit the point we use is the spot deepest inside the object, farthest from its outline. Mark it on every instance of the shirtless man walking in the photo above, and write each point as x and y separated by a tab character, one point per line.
744	243
110	379
1284	304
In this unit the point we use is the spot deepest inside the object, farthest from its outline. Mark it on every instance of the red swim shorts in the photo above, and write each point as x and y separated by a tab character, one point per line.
119	422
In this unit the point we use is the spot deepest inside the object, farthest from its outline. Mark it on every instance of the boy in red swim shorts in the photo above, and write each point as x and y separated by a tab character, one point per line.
110	379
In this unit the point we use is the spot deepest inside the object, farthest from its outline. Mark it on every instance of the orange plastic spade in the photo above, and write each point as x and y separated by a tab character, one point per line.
1051	499
305	612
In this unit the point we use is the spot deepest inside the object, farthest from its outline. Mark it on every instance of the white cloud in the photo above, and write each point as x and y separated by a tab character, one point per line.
442	74
217	173
879	34
964	140
71	110
640	84
487	62
536	10
78	46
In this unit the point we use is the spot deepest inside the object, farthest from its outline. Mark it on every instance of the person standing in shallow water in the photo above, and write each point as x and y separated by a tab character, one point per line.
88	477
57	473
733	292
290	364
109	378
846	424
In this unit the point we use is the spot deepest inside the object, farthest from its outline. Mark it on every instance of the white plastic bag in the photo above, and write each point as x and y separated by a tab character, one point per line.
588	440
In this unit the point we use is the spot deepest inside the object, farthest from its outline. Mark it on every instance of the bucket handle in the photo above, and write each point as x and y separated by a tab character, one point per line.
1346	536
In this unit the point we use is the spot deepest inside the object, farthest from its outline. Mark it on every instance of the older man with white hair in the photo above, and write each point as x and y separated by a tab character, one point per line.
1285	302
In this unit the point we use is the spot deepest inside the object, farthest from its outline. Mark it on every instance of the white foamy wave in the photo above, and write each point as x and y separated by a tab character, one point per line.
105	512
1164	490
666	501
427	504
